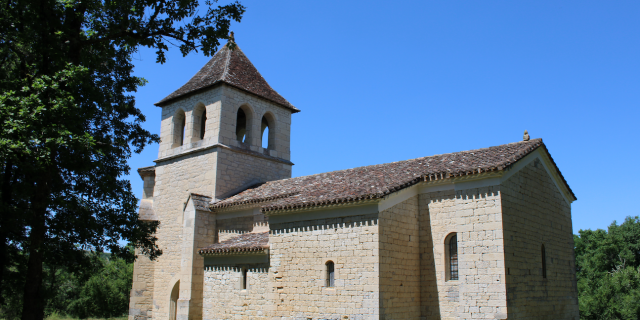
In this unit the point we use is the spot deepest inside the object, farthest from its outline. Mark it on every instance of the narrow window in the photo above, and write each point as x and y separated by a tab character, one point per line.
265	133
203	123
244	278
241	126
178	128
330	274
173	302
453	257
544	263
182	131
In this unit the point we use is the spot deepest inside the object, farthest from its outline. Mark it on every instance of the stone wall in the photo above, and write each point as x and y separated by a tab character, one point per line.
141	296
175	179
237	169
141	300
204	167
233	227
399	261
293	284
475	216
535	213
225	298
299	253
212	101
199	230
257	107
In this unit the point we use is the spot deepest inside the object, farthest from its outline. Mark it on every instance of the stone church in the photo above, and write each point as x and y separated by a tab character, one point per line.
479	234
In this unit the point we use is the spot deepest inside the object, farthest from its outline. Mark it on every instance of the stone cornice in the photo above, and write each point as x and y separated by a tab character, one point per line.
322	207
220	145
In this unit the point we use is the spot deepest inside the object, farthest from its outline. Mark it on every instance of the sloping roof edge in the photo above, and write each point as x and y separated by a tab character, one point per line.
555	166
231	67
247	243
506	164
200	202
163	103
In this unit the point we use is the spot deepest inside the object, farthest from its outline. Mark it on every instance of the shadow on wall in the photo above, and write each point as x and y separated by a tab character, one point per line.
248	267
429	296
368	220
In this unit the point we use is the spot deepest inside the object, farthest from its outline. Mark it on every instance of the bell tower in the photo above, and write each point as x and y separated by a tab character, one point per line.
228	106
222	132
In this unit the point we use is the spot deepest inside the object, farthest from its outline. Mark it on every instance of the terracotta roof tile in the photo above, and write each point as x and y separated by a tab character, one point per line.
377	181
244	243
233	68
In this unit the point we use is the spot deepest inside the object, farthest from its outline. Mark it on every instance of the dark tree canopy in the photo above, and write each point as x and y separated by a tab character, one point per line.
69	123
607	263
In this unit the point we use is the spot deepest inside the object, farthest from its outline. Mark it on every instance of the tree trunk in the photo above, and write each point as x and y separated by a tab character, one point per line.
4	208
33	302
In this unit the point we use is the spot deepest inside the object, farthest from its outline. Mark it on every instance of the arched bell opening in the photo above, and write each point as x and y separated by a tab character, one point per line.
199	122
268	131
244	119
179	126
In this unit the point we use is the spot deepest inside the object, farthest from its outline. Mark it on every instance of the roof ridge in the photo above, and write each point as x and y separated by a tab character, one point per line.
199	194
375	181
406	160
226	64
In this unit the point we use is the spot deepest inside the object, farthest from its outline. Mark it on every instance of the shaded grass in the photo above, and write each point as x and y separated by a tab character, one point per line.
57	316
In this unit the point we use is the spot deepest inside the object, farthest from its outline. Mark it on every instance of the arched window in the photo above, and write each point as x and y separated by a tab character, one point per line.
178	128
198	122
173	303
244	278
451	256
203	123
265	133
544	263
268	132
330	274
241	126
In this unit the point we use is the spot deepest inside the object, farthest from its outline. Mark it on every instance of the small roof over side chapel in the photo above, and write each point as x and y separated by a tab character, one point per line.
233	68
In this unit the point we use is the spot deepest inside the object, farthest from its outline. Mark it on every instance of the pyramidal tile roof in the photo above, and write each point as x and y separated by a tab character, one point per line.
233	68
377	181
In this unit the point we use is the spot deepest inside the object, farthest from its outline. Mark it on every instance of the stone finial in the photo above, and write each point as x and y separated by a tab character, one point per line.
526	136
231	43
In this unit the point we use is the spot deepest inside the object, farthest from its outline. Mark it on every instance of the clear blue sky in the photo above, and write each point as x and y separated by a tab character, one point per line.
385	81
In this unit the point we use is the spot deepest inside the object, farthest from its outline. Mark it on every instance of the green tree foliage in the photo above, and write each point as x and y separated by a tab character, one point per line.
68	124
608	271
106	293
100	290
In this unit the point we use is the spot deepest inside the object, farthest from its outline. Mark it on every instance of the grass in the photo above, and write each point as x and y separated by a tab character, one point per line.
56	316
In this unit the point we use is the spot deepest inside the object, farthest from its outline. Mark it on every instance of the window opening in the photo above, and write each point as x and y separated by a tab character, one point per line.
203	123
241	126
183	126
544	263
244	278
330	274
453	258
265	133
173	303
177	132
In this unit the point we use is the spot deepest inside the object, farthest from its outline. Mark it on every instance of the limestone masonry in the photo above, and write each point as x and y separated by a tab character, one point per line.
480	234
